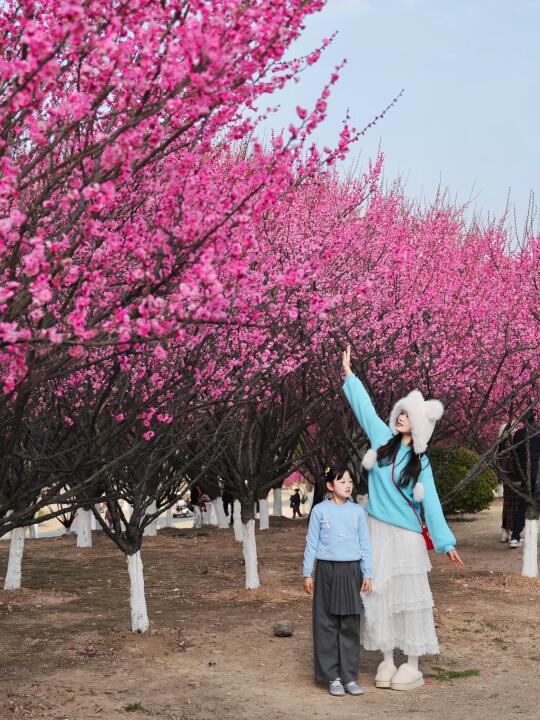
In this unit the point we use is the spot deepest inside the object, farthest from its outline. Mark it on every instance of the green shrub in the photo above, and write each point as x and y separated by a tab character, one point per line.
450	466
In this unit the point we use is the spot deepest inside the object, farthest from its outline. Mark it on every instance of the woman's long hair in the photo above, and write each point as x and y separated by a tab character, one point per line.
387	454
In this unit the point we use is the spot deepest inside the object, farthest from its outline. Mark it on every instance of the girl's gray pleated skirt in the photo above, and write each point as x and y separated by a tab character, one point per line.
337	606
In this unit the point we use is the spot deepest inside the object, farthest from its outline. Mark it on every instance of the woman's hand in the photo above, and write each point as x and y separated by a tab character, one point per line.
347	361
366	585
308	585
453	556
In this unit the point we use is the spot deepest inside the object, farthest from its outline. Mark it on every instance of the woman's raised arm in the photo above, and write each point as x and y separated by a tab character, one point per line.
376	429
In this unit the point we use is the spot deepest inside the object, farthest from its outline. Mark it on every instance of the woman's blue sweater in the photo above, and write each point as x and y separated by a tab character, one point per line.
385	501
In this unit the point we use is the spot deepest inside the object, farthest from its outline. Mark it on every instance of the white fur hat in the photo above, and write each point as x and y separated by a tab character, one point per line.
423	414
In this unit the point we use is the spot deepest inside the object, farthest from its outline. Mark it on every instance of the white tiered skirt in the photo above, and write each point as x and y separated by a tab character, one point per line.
399	611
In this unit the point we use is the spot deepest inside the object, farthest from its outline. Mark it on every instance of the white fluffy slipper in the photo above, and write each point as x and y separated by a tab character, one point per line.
407	678
385	673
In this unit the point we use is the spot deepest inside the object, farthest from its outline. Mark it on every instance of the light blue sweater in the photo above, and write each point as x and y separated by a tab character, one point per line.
385	502
338	532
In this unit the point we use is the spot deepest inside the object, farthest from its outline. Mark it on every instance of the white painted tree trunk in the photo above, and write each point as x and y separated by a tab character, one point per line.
309	501
277	510
93	524
530	549
33	532
249	546
222	521
14	569
362	500
197	517
137	600
264	514
169	519
237	522
151	530
210	517
84	528
69	530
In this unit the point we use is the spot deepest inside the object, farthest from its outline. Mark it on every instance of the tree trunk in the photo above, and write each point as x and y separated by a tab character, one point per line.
222	521
264	514
197	517
84	528
14	569
137	600
33	532
530	549
7	536
210	517
250	555
169	520
237	522
151	530
277	510
97	508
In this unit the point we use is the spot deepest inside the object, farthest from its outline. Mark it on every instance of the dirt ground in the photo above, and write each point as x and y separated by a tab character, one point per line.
66	651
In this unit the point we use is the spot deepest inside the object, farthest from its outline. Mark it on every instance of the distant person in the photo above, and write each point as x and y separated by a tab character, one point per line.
228	504
296	501
510	498
109	517
338	538
527	461
197	499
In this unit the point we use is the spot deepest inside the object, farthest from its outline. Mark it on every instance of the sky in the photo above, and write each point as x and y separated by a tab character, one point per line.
469	119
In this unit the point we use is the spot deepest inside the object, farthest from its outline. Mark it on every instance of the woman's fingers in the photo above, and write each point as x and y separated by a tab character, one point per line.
455	558
347	357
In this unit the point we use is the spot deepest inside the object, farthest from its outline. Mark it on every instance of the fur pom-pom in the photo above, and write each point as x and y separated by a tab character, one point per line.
418	492
434	410
368	461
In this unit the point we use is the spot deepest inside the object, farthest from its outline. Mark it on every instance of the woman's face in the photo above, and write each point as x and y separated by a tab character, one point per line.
403	425
342	488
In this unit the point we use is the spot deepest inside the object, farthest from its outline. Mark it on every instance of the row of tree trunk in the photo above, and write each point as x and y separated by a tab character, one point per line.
85	522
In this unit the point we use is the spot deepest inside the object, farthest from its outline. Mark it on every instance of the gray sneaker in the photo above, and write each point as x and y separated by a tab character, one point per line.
336	688
353	688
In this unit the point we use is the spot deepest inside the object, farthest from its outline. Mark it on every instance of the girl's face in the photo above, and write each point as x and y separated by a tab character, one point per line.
341	488
403	425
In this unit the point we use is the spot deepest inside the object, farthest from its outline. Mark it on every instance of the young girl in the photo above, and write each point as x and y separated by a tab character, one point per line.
338	539
399	611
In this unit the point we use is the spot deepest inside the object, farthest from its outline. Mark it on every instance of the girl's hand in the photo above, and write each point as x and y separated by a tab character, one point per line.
347	361
366	586
308	585
453	556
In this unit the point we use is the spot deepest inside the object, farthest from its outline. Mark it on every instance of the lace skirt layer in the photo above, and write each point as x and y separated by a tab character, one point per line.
399	611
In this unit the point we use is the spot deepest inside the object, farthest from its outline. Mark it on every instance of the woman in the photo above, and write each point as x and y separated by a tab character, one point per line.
399	611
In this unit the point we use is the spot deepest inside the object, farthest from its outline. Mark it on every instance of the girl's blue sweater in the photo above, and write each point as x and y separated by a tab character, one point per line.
385	502
338	532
